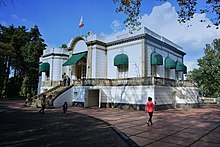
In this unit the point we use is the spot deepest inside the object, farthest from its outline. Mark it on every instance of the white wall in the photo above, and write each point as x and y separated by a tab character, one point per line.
176	95
67	96
186	95
163	95
79	93
165	52
149	50
55	50
114	94
80	46
134	52
94	68
56	68
101	62
73	72
126	94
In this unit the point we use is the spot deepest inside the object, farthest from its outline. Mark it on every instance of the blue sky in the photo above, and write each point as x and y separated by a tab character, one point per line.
58	21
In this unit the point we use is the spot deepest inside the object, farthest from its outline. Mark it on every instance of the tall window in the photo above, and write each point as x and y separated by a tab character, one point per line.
122	71
121	61
167	73
153	70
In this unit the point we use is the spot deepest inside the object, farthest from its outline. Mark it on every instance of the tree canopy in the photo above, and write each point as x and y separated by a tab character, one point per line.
187	9
20	50
63	46
208	74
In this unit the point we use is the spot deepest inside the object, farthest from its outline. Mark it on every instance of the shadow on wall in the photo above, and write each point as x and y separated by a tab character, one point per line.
187	96
135	99
165	98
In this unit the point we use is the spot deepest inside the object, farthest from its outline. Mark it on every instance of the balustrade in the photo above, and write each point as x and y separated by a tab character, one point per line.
134	82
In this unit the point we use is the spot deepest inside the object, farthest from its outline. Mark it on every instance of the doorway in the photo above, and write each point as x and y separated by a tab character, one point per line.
80	69
91	98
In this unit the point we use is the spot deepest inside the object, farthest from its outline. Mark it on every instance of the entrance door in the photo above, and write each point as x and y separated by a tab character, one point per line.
80	69
91	98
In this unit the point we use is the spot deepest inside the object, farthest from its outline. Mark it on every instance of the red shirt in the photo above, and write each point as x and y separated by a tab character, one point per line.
150	106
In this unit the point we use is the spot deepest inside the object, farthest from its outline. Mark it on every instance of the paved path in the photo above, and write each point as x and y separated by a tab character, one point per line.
26	127
196	127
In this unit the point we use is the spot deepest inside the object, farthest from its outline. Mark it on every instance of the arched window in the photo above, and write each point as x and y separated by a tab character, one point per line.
45	67
169	64
121	61
156	59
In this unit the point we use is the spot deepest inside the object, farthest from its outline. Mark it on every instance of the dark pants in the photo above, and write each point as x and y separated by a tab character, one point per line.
150	117
64	111
42	109
64	82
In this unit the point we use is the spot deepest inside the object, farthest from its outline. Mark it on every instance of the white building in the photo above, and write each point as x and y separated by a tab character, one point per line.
119	69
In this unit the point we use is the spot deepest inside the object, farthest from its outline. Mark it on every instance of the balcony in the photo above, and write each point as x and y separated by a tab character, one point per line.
134	82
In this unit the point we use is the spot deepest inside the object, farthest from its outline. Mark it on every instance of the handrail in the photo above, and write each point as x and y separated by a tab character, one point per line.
36	98
62	91
41	94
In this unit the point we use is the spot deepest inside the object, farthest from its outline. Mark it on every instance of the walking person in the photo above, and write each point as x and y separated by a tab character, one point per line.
150	109
65	106
43	104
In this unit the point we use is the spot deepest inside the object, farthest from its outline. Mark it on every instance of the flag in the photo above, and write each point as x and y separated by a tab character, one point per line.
81	24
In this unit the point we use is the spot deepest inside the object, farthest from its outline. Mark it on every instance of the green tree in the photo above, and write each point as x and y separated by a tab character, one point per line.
6	52
208	74
31	53
14	37
187	9
20	53
63	46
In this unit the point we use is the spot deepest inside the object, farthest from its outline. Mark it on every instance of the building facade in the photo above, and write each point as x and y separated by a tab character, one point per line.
119	70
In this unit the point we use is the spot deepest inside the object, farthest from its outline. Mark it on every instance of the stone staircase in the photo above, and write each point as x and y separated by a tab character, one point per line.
51	95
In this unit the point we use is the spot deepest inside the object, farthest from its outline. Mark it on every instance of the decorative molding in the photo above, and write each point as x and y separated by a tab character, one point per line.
96	42
137	37
74	41
55	54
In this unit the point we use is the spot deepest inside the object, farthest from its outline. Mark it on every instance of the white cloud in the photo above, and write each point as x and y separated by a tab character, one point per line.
163	20
191	65
116	25
103	34
18	18
4	23
14	16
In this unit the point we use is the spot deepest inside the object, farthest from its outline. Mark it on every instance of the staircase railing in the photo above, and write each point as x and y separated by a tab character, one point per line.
35	100
60	92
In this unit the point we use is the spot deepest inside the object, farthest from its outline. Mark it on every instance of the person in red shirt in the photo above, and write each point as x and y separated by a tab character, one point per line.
150	109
